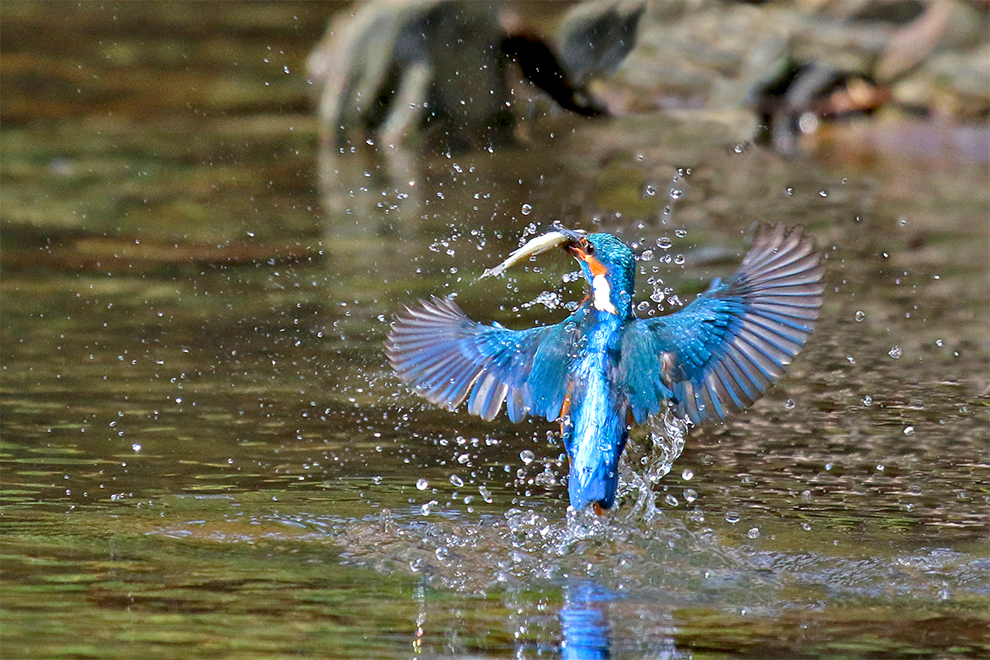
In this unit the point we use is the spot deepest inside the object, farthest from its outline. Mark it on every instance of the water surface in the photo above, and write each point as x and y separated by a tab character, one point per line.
205	454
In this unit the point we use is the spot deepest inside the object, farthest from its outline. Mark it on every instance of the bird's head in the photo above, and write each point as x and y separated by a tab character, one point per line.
607	264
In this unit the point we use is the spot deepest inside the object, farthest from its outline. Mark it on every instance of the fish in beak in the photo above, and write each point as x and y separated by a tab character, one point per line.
556	237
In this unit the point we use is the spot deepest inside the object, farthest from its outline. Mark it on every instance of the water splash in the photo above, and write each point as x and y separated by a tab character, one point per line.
656	456
667	433
549	299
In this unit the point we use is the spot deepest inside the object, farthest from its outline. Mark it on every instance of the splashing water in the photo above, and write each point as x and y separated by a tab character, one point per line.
549	299
525	543
657	455
667	435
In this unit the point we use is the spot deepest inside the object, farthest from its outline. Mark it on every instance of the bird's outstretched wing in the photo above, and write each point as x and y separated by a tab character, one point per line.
717	355
449	358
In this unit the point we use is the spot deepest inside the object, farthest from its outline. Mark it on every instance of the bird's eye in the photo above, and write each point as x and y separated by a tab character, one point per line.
589	249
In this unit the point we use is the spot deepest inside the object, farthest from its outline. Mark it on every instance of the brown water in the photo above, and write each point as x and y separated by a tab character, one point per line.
205	454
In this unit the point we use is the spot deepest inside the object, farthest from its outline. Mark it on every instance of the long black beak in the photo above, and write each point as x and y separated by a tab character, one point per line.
572	235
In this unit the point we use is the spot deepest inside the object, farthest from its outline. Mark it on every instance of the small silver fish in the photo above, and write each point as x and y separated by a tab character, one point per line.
534	246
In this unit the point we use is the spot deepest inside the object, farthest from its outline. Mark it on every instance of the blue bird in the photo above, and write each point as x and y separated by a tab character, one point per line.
602	369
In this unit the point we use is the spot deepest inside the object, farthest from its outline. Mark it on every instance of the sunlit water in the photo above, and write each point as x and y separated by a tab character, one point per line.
205	454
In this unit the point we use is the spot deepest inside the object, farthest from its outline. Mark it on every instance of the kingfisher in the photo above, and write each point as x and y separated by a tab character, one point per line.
602	369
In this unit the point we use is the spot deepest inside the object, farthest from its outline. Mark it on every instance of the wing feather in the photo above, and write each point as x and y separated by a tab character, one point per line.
449	358
720	353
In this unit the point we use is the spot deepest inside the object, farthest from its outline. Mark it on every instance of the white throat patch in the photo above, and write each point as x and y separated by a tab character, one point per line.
601	295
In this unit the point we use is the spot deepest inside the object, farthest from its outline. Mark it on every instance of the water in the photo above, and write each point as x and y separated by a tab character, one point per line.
205	454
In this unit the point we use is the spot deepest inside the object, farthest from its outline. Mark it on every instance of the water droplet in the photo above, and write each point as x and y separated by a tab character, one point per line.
860	316
894	352
442	553
690	495
675	193
136	447
664	243
867	400
908	430
753	533
527	456
456	480
738	149
422	484
808	122
880	468
671	500
823	193
650	190
687	475
679	259
486	494
526	209
789	191
646	256
806	526
681	233
789	404
731	517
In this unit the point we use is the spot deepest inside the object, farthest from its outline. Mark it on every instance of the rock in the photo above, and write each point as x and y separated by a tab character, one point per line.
595	37
398	68
447	72
438	70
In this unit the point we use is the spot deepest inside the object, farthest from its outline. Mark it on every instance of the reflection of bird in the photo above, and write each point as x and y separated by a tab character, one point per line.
602	368
584	621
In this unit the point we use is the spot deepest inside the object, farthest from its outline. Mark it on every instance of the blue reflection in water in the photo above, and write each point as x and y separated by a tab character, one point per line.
585	626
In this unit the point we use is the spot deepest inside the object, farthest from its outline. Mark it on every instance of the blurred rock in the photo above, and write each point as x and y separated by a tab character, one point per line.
396	67
596	36
438	70
809	60
446	70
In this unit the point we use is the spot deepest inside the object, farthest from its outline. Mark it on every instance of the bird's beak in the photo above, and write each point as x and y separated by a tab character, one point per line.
573	235
557	237
579	250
